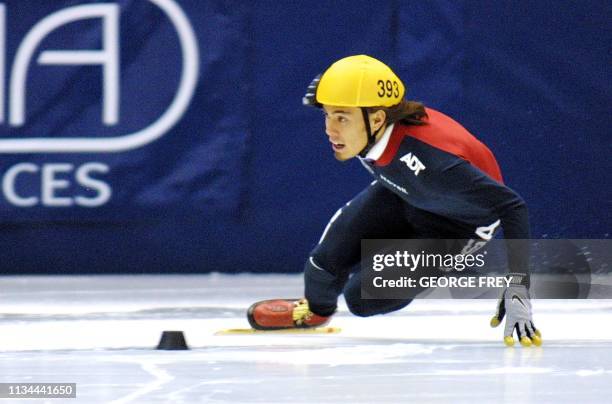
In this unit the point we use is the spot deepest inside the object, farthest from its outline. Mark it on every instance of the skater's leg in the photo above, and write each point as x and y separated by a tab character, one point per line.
427	229
375	213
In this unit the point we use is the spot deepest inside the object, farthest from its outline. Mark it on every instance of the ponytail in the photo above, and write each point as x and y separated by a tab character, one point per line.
406	112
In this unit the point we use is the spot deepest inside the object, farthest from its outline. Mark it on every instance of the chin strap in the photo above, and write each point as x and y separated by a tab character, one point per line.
371	136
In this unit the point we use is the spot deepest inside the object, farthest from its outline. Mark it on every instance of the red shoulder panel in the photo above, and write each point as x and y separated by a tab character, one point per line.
446	134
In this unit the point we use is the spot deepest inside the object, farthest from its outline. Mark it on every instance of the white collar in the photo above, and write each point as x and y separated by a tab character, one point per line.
379	147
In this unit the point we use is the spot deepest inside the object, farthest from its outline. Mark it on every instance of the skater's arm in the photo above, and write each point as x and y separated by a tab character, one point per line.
514	304
466	182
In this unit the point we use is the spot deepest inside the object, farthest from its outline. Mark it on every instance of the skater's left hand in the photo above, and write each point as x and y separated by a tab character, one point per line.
515	305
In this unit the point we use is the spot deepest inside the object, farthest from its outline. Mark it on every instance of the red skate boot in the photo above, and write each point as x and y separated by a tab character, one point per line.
281	314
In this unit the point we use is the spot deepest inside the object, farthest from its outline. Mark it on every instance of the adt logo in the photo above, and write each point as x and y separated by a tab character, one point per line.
413	163
108	59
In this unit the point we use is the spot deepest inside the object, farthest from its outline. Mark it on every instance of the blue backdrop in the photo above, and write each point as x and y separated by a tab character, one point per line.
241	177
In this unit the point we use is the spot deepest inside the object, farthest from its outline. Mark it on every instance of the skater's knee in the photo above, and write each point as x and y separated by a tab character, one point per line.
371	307
354	302
357	308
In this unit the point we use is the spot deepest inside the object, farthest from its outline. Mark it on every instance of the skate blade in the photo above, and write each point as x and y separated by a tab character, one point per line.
244	331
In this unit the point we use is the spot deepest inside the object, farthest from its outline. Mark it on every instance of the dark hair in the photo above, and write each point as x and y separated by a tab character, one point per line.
406	112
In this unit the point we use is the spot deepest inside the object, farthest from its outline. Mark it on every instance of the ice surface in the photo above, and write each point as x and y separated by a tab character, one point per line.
99	332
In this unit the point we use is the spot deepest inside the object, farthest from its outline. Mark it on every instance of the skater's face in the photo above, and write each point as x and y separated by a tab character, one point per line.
346	130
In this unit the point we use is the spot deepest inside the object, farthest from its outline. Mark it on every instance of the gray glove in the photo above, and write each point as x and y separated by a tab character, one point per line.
514	303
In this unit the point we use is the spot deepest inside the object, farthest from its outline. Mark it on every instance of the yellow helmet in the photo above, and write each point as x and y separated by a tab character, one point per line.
356	81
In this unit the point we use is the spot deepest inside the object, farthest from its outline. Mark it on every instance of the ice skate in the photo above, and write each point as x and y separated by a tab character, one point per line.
279	314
